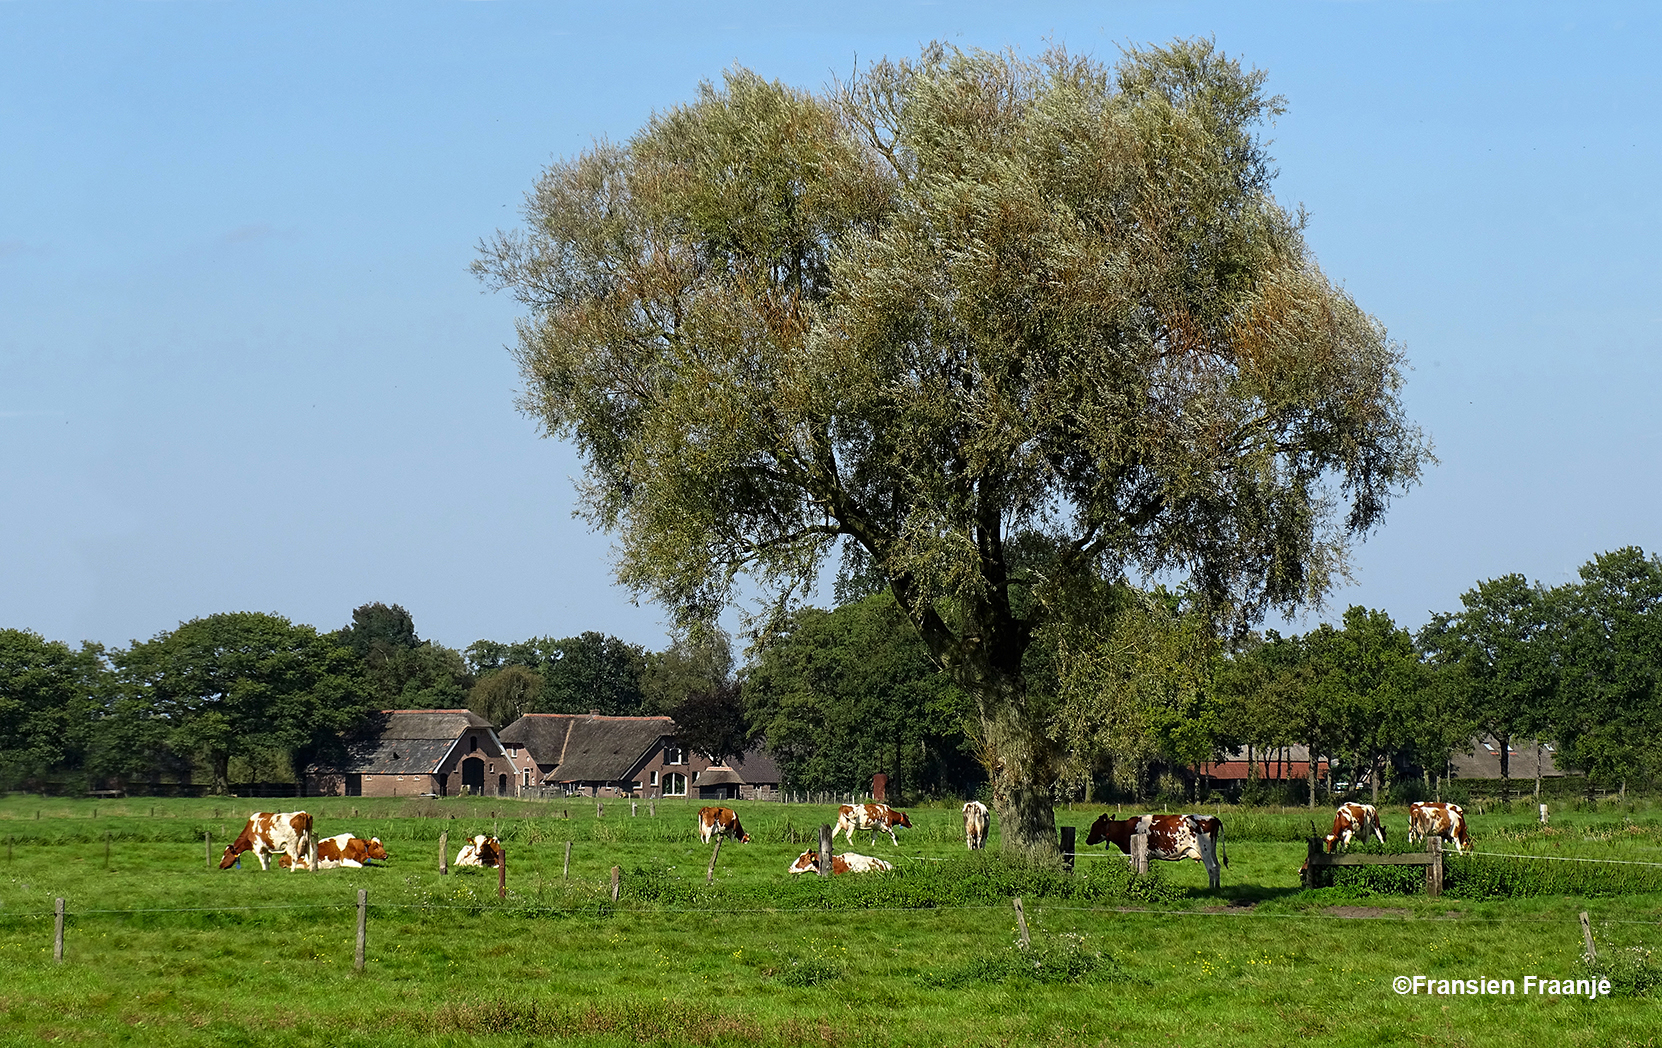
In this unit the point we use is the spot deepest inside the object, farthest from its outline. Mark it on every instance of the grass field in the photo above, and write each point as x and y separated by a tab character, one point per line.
163	950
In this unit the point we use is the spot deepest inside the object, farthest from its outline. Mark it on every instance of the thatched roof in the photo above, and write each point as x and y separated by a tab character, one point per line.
718	775
588	747
407	742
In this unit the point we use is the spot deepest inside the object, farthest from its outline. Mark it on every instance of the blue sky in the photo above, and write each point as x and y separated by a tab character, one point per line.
243	365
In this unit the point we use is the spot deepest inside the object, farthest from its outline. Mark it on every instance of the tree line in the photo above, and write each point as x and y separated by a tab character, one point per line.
1138	700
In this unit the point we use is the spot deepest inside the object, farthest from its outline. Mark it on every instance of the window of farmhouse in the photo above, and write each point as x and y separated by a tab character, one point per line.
675	784
654	778
672	755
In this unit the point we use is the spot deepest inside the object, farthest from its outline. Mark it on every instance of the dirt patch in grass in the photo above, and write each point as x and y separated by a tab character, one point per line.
1365	912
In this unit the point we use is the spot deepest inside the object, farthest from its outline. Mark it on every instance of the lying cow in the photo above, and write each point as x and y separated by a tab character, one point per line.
269	832
1438	819
720	821
343	850
1354	820
1171	838
975	825
873	817
847	862
482	850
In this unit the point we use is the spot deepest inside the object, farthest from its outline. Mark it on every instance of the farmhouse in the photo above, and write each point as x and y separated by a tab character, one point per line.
1274	763
1483	760
598	756
421	753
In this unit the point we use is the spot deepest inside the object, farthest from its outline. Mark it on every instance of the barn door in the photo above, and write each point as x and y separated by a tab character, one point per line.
473	775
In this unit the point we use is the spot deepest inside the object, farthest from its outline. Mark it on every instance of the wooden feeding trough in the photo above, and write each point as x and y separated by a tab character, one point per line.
1432	859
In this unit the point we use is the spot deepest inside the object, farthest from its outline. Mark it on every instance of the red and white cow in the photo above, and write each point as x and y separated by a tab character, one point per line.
1438	819
343	850
847	862
722	821
873	817
482	850
268	832
975	825
1172	838
1354	820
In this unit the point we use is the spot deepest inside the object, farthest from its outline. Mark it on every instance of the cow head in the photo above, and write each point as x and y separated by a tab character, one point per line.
805	862
899	819
229	859
373	849
1103	828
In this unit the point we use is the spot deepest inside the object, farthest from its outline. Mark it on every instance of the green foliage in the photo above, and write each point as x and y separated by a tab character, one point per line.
957	300
592	671
502	697
1633	971
239	684
1486	877
819	962
1065	958
50	695
842	694
714	722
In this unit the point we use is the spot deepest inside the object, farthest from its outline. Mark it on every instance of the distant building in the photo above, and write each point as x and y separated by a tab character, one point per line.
587	754
1483	762
1274	763
413	753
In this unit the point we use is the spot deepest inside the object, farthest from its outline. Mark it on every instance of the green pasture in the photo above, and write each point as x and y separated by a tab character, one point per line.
160	949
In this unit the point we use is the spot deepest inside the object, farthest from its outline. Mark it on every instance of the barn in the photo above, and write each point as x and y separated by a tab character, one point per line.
593	755
416	753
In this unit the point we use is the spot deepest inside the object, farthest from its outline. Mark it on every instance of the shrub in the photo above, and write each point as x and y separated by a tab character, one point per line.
1488	877
1632	971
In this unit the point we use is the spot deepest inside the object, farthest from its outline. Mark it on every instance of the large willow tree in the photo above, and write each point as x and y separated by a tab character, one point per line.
960	306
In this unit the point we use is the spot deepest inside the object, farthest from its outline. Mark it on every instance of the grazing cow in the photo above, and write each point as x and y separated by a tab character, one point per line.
975	825
720	821
1170	837
481	851
1438	819
268	832
343	849
1354	820
847	862
873	817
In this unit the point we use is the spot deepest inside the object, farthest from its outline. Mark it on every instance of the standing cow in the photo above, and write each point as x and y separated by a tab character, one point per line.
720	821
873	817
268	832
1354	820
975	825
1171	838
1438	819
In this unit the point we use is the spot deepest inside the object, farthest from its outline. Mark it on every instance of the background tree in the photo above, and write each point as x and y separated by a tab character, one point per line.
1497	654
1365	678
958	299
1607	712
243	684
713	721
50	697
840	695
401	670
506	695
697	662
592	671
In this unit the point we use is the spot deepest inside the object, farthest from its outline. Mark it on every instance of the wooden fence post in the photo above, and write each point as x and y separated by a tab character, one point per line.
1434	872
599	809
444	853
208	848
1543	815
710	874
1021	922
652	808
825	849
501	872
363	926
566	873
634	808
57	931
1312	855
1069	835
1139	853
617	881
1586	932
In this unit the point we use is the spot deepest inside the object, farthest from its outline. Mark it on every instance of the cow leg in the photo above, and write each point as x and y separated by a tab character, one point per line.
1209	859
264	857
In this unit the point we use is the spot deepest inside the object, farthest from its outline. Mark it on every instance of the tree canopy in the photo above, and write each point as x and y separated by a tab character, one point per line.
959	299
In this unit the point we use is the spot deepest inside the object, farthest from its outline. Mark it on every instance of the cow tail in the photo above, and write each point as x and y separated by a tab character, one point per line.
1223	856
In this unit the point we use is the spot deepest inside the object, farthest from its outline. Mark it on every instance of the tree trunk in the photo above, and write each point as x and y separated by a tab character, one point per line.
1024	767
1537	771
1505	768
1373	778
222	773
1310	772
